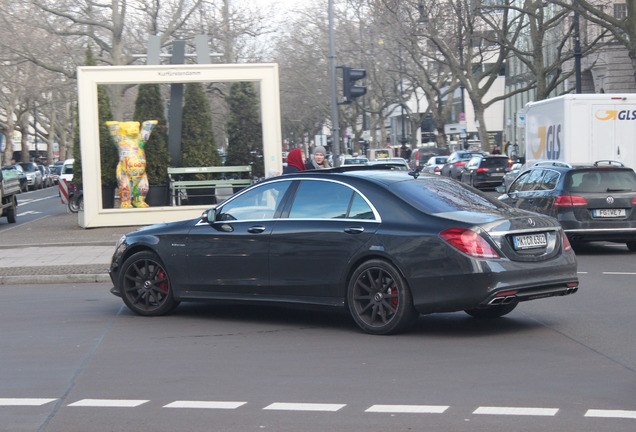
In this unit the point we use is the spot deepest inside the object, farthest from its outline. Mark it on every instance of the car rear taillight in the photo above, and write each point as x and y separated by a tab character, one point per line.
634	201
438	169
569	201
460	163
482	169
566	243
469	242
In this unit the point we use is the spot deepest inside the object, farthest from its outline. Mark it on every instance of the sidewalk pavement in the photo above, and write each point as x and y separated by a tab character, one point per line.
55	249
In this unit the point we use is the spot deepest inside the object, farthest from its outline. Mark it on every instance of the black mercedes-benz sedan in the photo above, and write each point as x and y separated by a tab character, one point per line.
385	245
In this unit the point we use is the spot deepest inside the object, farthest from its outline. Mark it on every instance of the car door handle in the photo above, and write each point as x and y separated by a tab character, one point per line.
354	230
256	229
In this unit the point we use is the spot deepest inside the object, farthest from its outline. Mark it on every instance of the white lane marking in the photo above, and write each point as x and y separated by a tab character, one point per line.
285	406
581	272
610	413
619	273
516	411
205	404
412	409
28	213
110	403
24	401
29	201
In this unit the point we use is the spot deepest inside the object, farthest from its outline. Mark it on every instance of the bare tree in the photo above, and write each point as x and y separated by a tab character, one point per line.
621	24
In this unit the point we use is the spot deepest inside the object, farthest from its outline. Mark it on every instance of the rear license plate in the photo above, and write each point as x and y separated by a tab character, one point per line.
497	174
609	213
530	241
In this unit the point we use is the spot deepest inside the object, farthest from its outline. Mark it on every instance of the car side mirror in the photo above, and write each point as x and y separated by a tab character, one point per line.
209	216
501	189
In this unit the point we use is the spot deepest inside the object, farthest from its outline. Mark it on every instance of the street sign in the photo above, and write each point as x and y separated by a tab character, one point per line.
462	117
452	128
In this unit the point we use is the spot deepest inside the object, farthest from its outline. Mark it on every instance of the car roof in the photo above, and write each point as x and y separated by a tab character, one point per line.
371	173
564	166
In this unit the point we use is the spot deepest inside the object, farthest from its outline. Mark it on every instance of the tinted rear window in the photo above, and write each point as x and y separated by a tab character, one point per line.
600	180
494	162
442	196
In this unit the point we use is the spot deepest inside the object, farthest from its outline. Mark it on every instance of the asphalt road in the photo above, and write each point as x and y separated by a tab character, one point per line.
35	204
75	359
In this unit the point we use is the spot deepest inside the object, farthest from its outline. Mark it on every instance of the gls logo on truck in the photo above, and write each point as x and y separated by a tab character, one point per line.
549	142
616	115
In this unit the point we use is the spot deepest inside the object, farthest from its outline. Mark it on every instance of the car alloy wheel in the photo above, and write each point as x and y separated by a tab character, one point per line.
145	286
379	299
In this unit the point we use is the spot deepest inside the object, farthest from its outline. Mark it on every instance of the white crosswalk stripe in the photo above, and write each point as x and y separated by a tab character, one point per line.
24	401
109	403
610	413
517	411
205	404
413	409
286	406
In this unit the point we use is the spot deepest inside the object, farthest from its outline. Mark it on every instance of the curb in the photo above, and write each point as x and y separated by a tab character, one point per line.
54	279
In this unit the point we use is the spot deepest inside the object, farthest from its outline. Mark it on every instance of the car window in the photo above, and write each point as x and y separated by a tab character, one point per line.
601	181
473	163
534	180
517	185
550	180
321	200
360	209
256	204
67	169
438	196
496	162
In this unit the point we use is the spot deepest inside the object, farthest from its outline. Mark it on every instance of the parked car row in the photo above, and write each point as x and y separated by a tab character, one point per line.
33	176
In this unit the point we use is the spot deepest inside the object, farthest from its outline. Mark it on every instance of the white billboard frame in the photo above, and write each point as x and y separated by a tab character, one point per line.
89	77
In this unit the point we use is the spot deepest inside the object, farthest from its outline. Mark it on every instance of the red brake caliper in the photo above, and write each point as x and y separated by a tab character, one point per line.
163	285
394	300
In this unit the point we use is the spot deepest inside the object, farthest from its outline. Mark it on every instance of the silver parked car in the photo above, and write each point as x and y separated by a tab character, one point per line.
34	176
434	164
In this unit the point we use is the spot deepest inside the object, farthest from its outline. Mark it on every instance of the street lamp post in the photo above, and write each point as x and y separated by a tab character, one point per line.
335	127
461	60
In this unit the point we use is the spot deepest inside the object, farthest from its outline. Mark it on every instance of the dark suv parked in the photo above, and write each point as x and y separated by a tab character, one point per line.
593	202
485	171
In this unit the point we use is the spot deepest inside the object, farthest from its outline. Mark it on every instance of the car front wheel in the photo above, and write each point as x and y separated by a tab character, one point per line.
379	299
145	286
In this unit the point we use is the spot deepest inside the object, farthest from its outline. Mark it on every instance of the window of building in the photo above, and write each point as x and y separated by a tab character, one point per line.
620	10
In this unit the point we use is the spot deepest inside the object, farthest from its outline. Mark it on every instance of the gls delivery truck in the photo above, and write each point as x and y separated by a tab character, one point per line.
582	128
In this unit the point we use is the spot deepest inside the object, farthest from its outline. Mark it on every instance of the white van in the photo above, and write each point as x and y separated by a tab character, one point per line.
66	173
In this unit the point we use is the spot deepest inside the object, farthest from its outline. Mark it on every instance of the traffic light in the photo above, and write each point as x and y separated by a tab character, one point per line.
351	91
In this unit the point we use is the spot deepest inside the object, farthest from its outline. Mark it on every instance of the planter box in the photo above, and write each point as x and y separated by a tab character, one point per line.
158	195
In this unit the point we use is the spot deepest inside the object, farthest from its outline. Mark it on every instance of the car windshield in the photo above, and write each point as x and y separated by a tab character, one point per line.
28	167
600	180
434	196
67	169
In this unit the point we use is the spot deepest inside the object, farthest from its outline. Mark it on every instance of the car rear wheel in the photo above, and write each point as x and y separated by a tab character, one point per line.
145	286
11	212
492	311
379	299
